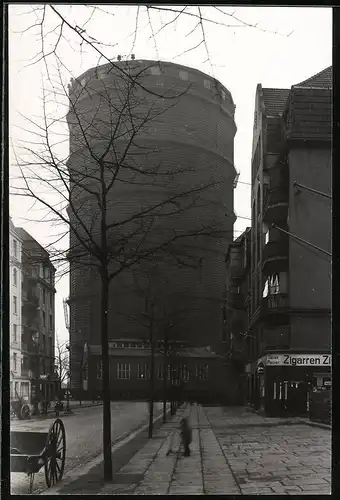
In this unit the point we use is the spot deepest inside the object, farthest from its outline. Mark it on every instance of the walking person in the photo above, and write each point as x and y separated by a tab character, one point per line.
186	436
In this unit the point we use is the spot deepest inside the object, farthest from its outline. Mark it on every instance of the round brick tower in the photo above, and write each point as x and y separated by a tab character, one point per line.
185	139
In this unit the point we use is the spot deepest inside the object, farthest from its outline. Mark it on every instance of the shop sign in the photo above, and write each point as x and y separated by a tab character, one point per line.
298	360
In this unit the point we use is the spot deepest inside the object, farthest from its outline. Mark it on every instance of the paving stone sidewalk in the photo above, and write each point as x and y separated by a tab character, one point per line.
234	452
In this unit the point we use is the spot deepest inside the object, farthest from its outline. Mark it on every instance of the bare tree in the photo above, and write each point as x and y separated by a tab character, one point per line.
84	192
61	28
62	361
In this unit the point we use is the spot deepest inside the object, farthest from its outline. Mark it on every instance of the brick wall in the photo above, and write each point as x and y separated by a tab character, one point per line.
189	144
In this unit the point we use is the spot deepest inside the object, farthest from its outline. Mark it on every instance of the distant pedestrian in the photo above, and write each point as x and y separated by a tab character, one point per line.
186	435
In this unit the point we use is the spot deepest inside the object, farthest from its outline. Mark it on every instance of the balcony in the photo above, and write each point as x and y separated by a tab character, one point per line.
276	205
235	300
277	303
31	301
236	271
275	256
32	326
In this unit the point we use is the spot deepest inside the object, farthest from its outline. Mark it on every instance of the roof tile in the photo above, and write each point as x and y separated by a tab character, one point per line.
323	79
275	101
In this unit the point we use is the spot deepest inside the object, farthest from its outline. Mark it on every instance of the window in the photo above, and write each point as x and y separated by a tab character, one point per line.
51	347
160	369
15	333
265	289
15	277
43	367
15	305
274	286
184	373
143	371
44	296
44	342
266	238
99	371
207	84
223	95
123	371
14	362
155	70
44	318
15	248
202	372
51	301
51	322
184	75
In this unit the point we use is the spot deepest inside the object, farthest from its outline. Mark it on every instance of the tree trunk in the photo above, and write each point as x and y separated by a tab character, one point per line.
165	373
152	383
107	447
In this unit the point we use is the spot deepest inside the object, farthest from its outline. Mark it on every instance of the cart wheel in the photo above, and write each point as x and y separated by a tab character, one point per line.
55	452
25	412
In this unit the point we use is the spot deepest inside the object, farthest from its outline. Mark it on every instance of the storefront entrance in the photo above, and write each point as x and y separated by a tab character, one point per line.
288	398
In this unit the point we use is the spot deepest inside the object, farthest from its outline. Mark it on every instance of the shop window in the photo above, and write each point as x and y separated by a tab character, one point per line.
143	371
123	371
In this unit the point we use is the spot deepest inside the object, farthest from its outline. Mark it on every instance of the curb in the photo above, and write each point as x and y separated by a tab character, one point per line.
82	470
62	413
321	425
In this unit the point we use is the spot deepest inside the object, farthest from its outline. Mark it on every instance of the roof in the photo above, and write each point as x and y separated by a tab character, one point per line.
275	101
323	79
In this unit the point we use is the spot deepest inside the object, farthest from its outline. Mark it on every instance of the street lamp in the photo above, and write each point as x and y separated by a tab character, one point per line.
68	410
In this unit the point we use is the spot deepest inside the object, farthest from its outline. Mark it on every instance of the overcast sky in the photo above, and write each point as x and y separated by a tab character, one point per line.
239	56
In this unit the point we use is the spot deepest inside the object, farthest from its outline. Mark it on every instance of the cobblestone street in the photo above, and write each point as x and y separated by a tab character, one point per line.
234	452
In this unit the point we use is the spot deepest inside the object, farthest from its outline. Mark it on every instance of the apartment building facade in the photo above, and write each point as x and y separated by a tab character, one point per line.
289	317
38	321
19	376
235	319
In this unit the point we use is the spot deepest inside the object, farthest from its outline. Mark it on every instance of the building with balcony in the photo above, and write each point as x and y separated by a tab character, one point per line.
235	320
289	310
37	334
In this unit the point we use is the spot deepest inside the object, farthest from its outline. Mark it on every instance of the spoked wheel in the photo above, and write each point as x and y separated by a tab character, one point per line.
25	412
55	453
31	482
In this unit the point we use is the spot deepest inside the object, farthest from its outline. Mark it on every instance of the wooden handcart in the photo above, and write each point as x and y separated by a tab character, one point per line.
31	451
